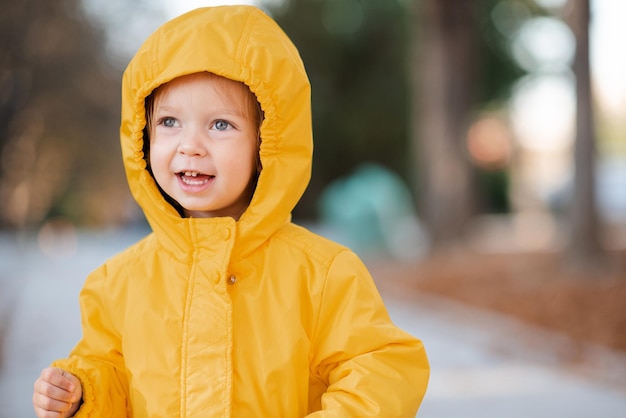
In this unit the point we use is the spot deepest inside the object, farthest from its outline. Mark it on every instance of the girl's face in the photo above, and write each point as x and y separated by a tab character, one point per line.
203	144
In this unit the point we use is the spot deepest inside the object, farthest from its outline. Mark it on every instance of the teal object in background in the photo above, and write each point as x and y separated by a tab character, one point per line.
371	211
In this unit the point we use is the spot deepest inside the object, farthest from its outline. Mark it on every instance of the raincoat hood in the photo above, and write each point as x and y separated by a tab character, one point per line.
243	44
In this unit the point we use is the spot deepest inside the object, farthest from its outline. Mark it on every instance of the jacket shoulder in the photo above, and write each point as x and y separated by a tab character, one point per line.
137	251
312	244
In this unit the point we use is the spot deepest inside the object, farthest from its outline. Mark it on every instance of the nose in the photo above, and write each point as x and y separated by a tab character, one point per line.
191	144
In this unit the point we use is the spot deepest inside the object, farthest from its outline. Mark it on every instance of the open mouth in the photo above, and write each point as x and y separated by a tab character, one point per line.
194	178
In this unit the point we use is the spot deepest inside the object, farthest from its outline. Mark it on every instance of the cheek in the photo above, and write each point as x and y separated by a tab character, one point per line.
240	167
241	159
159	156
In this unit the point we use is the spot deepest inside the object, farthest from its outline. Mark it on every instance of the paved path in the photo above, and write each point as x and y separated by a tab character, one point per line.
490	366
483	365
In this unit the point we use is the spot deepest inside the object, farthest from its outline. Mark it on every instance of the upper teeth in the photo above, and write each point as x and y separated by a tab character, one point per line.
191	174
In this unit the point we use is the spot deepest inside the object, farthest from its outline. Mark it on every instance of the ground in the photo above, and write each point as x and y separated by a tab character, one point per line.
536	288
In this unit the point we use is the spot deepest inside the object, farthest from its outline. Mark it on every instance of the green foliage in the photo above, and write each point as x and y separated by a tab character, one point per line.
354	52
495	187
499	71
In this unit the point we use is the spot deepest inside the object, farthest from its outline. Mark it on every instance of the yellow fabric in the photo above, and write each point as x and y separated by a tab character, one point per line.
302	330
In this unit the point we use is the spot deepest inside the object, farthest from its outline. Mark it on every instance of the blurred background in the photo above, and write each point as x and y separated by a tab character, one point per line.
473	150
479	112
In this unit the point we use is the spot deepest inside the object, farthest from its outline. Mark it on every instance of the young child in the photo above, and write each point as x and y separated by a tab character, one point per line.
228	308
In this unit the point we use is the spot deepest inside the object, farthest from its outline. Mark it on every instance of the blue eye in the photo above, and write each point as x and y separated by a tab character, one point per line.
168	122
221	125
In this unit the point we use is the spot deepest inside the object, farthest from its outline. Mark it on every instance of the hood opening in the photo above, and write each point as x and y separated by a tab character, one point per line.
254	107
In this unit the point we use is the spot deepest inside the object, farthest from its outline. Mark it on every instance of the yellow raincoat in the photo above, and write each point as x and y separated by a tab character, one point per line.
255	318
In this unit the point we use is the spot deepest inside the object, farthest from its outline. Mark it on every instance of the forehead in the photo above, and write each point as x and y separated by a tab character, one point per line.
231	89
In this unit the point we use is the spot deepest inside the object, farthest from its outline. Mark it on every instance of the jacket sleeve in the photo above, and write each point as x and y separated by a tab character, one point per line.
97	359
370	367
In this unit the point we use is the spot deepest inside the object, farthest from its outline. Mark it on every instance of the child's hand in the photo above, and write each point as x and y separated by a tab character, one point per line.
58	394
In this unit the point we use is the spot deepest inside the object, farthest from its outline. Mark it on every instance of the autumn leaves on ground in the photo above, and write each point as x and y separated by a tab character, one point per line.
536	288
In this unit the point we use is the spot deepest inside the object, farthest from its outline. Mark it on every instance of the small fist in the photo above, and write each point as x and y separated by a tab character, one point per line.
57	394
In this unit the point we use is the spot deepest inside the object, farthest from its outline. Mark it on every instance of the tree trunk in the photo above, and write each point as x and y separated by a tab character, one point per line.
584	245
443	69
